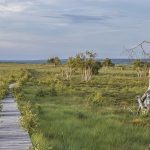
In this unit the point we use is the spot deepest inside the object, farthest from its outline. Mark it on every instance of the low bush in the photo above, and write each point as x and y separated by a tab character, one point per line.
20	97
3	92
17	89
96	99
3	89
29	120
40	143
25	75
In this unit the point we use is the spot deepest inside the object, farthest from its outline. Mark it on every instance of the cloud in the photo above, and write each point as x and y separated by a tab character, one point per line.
85	18
14	7
65	26
76	18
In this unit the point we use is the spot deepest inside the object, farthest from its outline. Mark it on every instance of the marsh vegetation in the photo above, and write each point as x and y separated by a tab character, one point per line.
74	114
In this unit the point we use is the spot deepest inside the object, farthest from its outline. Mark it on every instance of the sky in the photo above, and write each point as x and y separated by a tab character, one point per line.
39	29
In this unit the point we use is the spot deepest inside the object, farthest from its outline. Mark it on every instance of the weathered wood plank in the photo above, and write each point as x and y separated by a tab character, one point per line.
12	135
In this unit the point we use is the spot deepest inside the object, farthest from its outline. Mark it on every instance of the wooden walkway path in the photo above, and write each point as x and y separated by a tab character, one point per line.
12	135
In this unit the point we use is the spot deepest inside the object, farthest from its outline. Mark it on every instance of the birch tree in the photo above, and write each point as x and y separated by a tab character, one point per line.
68	68
86	63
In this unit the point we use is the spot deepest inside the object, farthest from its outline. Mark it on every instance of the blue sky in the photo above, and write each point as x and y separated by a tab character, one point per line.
38	29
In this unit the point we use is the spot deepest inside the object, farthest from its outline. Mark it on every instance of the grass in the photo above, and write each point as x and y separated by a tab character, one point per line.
67	122
73	129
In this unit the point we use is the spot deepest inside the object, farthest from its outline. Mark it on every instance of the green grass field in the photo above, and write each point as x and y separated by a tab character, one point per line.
66	119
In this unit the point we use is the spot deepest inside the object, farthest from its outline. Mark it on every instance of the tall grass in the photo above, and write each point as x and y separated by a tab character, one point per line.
67	122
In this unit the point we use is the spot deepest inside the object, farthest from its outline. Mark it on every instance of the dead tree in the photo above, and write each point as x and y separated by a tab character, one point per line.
144	101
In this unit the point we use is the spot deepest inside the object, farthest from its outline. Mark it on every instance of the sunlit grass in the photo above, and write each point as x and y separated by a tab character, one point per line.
66	120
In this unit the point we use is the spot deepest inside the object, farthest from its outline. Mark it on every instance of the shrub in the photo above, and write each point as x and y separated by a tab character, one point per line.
25	76
54	61
138	63
17	89
95	99
28	119
23	80
96	67
108	63
40	143
3	89
3	93
20	97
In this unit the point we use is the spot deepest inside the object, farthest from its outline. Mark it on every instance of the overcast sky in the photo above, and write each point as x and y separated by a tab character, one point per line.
38	29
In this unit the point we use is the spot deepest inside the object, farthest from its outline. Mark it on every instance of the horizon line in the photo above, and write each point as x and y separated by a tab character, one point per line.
47	59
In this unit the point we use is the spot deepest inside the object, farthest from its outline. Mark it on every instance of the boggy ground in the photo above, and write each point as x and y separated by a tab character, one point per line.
68	121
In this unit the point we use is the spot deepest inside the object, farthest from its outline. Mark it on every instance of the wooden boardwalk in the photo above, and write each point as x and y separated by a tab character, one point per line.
12	135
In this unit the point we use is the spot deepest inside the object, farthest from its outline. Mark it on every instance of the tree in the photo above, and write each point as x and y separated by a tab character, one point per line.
142	56
68	68
138	63
96	66
139	50
55	61
141	67
86	63
107	63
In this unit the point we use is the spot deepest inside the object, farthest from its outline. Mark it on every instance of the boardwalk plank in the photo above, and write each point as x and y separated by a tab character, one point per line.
12	135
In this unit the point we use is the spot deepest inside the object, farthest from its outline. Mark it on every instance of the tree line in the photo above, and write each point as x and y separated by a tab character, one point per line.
86	63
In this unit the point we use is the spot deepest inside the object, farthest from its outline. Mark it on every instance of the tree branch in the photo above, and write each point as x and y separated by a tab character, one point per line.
132	51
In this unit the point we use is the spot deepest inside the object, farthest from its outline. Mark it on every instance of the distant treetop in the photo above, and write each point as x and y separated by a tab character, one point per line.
54	61
107	63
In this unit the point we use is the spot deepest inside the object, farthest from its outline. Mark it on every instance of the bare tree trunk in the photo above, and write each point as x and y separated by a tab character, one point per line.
67	72
140	103
149	79
86	74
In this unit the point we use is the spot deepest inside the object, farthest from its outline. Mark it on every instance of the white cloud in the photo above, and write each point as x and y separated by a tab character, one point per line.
11	8
16	7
